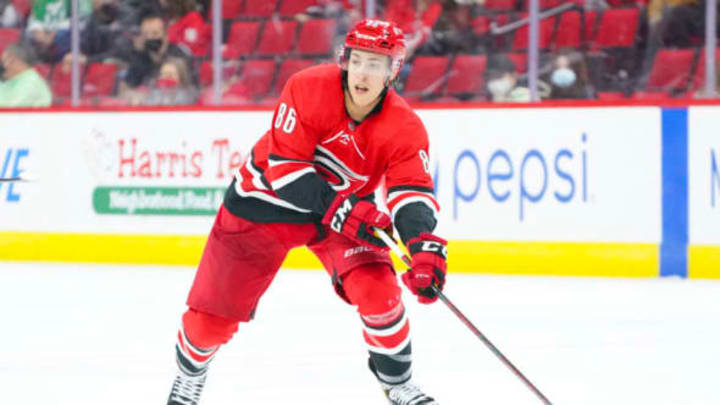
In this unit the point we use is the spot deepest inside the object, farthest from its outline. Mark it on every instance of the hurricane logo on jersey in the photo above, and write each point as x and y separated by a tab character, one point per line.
346	139
336	172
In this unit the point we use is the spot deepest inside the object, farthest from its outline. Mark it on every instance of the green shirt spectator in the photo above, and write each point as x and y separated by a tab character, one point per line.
23	86
49	27
53	15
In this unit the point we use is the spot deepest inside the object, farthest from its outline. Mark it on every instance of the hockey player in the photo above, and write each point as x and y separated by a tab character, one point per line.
310	180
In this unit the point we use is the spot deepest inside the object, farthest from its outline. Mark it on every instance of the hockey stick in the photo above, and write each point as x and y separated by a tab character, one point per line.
402	255
17	179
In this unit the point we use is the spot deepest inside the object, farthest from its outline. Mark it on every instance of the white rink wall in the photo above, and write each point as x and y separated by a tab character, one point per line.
620	191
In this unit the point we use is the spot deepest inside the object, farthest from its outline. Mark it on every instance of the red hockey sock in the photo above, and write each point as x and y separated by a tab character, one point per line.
375	291
199	338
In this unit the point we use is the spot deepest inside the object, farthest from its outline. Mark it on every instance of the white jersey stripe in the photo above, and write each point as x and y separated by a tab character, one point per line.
397	194
377	348
256	176
339	162
267	198
289	178
389	331
395	379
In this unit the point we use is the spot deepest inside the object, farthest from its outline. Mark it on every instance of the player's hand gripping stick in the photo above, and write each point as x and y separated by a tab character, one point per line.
428	264
404	257
356	219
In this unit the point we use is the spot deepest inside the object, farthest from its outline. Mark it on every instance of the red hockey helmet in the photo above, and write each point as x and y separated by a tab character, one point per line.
377	36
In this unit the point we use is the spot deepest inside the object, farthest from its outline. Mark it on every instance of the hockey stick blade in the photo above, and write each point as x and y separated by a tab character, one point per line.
390	242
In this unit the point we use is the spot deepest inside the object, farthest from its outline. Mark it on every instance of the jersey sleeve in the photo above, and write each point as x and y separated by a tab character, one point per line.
292	144
410	191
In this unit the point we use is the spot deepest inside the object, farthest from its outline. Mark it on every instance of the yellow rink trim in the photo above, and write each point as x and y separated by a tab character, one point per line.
704	261
529	258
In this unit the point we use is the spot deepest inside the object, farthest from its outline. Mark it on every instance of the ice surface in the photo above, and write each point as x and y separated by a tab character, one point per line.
82	334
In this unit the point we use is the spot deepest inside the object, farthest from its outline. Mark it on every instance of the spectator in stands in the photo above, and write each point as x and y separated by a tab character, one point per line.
149	50
104	31
453	32
676	22
502	81
187	27
173	85
668	23
416	19
568	77
109	20
22	85
49	27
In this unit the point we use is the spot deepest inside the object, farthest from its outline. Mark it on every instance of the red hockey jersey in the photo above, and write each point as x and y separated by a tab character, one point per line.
312	135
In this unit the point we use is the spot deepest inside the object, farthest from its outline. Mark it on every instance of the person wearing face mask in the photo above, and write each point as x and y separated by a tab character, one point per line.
173	85
22	86
337	131
569	78
150	49
502	81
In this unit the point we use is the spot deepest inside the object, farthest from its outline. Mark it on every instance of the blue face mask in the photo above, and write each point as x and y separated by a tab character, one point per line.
563	77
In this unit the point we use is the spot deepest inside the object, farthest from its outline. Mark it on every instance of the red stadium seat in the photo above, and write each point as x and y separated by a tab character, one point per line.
698	81
520	60
287	68
500	5
467	75
277	37
617	28
241	40
621	3
61	81
205	72
231	8
43	69
671	69
99	79
543	4
569	33
316	37
520	39
8	36
289	8
260	8
256	76
481	25
591	21
427	75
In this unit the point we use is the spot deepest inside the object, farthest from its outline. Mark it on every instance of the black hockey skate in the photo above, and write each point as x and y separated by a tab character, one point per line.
407	394
186	389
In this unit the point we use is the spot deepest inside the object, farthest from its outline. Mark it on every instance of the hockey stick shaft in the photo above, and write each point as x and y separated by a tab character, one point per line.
9	179
390	242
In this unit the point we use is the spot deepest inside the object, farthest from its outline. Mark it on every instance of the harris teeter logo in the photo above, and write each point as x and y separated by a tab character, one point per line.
122	167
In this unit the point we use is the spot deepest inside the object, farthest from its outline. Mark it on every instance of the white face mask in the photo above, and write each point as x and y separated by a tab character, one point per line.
500	87
563	77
